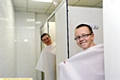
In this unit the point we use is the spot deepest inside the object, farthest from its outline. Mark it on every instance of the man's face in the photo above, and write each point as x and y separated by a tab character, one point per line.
82	39
46	40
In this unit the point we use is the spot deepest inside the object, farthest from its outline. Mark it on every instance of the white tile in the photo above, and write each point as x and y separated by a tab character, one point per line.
7	48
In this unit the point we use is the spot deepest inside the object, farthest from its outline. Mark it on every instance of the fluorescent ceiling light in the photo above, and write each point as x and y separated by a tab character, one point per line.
55	3
43	0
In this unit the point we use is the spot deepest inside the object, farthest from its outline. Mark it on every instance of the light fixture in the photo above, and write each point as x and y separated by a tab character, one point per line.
55	3
42	0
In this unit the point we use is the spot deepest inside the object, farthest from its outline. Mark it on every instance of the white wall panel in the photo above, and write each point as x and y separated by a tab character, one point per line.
26	52
78	15
7	37
111	20
40	18
61	35
45	27
52	31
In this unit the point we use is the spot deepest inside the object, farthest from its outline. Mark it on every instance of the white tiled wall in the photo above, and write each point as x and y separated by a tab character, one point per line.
28	43
26	54
7	37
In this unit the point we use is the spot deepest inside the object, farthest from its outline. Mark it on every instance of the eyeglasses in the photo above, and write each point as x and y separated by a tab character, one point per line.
83	36
45	39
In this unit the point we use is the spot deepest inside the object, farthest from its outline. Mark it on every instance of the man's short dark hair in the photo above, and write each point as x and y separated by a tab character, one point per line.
86	25
44	34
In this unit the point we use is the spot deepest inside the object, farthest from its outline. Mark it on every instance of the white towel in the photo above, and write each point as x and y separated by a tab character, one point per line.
86	65
47	62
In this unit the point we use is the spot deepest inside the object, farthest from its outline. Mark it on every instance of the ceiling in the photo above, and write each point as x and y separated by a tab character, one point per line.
48	8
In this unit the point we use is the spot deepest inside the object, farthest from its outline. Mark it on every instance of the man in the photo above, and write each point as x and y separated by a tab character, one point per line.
47	60
88	64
